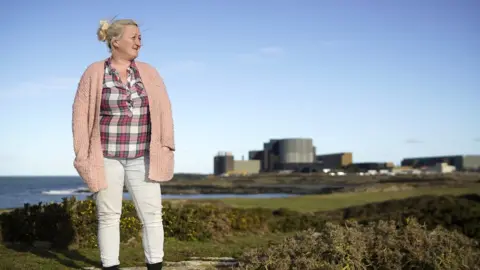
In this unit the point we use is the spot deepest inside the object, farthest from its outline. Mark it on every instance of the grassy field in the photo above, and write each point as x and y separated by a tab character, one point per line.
342	200
21	257
315	183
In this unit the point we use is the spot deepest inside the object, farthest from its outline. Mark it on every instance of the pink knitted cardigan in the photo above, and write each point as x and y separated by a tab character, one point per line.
86	128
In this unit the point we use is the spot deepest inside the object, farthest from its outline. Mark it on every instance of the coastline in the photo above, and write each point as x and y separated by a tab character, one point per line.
262	186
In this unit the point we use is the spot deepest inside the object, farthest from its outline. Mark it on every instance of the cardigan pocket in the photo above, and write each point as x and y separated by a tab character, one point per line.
166	156
167	162
88	174
162	158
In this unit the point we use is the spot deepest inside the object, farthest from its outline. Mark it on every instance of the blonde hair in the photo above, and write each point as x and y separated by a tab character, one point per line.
109	31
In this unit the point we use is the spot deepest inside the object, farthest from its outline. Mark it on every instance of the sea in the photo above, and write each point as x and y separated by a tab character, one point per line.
16	191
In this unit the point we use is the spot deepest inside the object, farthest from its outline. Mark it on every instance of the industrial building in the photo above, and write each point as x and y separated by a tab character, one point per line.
246	167
369	166
299	155
255	155
293	154
335	160
461	163
296	154
224	163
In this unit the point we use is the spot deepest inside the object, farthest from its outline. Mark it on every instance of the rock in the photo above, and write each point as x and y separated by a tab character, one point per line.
42	244
194	263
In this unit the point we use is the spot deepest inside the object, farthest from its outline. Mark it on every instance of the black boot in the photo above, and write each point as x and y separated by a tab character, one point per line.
154	266
115	267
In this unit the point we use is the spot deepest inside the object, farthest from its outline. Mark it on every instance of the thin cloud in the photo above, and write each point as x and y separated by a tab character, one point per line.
47	87
413	141
248	57
477	139
274	51
55	85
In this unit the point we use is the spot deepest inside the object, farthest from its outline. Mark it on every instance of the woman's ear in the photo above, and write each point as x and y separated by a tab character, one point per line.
114	43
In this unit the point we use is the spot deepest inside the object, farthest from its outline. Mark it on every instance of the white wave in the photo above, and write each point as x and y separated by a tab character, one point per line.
76	191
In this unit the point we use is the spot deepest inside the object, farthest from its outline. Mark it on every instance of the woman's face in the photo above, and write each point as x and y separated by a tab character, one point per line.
129	43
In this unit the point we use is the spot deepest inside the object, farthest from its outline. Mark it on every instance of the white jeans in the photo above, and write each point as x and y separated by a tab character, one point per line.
146	196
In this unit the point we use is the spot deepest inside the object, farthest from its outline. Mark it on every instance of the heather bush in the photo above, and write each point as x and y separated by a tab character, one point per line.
286	220
199	222
461	213
378	245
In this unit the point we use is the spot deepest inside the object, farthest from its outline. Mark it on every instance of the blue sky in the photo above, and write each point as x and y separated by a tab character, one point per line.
382	79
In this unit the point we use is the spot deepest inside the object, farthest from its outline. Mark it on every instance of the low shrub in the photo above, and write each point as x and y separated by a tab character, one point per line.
73	222
40	222
191	221
461	213
379	245
62	224
286	220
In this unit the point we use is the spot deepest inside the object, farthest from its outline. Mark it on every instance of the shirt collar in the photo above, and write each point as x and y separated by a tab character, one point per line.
110	69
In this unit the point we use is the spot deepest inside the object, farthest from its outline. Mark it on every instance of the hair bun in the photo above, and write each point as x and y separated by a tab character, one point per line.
102	30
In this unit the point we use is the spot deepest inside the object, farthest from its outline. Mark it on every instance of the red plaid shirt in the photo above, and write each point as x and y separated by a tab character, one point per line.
124	115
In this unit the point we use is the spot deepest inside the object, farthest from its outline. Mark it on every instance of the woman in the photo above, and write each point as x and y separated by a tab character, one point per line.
123	135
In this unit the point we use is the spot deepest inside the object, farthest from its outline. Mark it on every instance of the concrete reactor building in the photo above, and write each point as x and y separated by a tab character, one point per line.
295	151
296	154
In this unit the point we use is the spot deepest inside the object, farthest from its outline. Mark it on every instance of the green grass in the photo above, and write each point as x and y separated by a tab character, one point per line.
310	203
22	257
